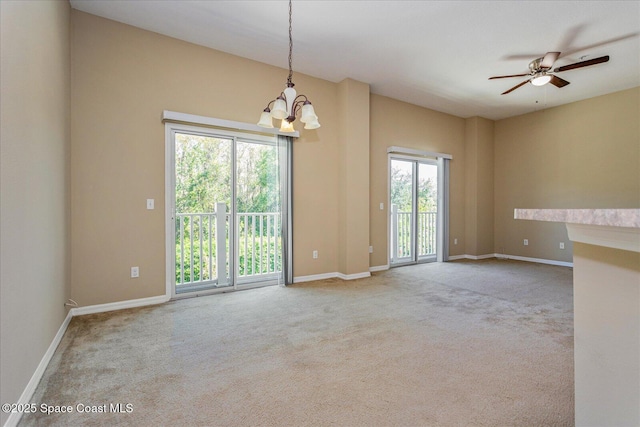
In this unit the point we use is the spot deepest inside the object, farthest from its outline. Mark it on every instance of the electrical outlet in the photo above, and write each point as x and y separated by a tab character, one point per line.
526	242
135	272
370	249
561	245
315	254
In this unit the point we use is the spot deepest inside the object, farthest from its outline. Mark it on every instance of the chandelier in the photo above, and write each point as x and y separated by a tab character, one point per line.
288	104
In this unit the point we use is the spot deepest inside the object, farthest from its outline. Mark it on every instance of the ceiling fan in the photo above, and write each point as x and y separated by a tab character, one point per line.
540	71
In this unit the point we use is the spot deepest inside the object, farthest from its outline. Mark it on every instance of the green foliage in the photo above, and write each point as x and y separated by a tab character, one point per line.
203	173
402	195
401	188
203	178
260	258
257	178
189	241
200	266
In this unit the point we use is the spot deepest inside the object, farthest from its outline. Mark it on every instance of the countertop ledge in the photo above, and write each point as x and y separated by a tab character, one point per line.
628	218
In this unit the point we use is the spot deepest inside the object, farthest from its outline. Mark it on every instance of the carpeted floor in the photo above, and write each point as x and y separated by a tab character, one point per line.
466	343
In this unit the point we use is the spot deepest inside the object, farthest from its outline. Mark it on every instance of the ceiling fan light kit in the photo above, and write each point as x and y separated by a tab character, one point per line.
288	104
541	71
540	79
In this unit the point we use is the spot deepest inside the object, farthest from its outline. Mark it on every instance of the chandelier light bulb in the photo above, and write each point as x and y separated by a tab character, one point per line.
279	109
308	114
286	126
266	120
313	124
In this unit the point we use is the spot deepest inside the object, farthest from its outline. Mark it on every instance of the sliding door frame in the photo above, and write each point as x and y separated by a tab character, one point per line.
415	181
442	223
171	129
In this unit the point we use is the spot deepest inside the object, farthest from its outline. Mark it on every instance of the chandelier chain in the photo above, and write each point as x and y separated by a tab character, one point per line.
290	48
289	104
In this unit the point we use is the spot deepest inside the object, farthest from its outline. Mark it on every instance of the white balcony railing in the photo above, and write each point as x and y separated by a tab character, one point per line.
259	244
401	242
202	247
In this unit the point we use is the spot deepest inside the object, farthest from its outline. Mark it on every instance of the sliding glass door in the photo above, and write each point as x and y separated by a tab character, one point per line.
413	210
226	223
258	220
202	199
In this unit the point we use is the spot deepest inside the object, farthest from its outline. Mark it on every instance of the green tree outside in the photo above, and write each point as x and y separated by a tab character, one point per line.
203	178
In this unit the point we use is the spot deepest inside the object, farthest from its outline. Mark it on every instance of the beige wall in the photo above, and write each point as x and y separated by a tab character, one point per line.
34	135
124	78
479	205
398	123
353	245
581	155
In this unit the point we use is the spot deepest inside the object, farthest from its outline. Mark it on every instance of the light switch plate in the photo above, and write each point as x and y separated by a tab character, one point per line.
151	204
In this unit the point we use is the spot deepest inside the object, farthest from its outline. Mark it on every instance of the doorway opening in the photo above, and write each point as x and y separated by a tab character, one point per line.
414	211
225	224
418	207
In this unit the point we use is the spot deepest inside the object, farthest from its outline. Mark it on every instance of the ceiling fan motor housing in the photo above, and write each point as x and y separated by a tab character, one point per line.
534	65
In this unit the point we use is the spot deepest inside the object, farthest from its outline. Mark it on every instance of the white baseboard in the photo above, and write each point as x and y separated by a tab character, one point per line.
101	308
354	276
334	275
314	277
514	257
477	257
538	260
311	278
25	398
474	257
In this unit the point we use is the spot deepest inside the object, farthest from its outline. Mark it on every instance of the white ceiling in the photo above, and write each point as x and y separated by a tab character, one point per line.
436	54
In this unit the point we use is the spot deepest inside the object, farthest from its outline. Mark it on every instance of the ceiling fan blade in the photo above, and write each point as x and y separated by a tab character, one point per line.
549	59
558	82
504	77
586	63
515	87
